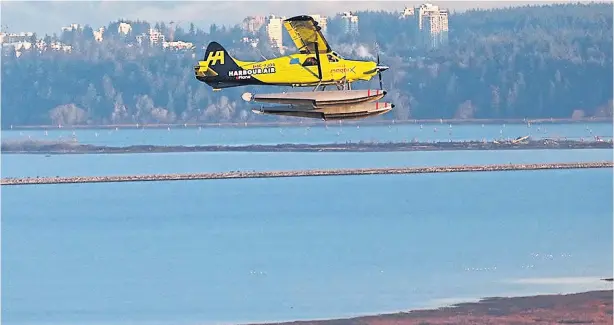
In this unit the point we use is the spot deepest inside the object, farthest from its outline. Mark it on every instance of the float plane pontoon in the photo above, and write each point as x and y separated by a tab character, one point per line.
315	65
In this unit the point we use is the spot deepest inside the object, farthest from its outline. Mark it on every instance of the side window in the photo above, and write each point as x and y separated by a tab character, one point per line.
311	61
331	58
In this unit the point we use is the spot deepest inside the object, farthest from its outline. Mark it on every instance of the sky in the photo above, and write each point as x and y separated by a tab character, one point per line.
48	17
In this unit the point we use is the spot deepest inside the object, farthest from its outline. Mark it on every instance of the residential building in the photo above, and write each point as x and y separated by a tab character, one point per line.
98	34
349	23
61	47
155	37
22	46
124	28
41	45
252	25
274	30
408	12
71	27
178	45
432	26
16	38
443	23
251	41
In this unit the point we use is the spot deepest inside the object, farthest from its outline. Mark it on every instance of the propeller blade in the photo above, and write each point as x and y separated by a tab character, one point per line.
378	68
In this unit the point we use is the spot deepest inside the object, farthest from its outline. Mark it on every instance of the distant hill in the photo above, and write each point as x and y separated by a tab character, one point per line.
523	62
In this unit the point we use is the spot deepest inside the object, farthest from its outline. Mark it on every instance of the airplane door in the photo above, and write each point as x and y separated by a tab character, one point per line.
311	64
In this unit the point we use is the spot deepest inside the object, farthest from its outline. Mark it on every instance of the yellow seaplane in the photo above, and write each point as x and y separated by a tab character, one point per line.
315	65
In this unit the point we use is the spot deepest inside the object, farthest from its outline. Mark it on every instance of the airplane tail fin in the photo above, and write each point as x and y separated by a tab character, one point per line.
219	60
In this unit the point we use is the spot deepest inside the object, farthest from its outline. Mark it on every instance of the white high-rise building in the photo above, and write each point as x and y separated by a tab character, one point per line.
432	25
350	23
274	29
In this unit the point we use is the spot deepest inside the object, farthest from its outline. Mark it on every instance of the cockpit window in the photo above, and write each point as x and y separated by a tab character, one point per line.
332	58
311	61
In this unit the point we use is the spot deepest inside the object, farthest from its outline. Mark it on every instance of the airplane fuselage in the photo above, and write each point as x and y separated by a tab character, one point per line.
296	70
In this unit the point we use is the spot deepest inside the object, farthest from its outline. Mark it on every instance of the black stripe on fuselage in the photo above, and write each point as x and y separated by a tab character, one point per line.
229	74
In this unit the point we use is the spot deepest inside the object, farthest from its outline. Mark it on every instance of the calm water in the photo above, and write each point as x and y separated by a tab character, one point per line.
334	133
253	250
18	165
278	249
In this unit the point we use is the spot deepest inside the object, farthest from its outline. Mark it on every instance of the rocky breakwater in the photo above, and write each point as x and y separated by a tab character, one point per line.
300	173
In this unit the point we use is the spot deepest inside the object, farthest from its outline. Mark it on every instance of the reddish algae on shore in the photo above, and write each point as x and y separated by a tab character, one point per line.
594	307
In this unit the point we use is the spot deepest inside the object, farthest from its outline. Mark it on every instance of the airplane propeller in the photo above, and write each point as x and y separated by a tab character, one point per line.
380	68
379	74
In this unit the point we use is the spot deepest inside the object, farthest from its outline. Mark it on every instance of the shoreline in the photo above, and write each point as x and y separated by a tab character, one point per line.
590	306
303	123
12	181
57	148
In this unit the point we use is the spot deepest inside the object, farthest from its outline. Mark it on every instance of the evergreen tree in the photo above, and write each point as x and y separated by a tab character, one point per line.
523	62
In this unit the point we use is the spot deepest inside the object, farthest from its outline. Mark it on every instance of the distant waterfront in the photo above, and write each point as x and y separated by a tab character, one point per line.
58	148
315	122
339	133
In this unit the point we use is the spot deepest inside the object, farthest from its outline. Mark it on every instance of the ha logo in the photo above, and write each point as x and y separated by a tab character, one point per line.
215	58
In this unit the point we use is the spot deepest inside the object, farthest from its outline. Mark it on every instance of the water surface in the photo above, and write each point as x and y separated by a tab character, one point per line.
277	249
21	165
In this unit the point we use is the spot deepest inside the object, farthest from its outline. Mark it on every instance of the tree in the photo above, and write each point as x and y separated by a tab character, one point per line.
90	100
523	62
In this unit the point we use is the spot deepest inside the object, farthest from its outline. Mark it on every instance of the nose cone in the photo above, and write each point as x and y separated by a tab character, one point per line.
382	68
247	97
392	105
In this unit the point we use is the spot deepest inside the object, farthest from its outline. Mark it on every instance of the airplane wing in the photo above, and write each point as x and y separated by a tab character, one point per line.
304	31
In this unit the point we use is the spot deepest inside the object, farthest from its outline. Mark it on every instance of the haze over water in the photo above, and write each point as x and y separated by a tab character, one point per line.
296	248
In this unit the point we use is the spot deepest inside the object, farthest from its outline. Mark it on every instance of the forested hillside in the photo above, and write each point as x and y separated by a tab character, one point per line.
529	62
